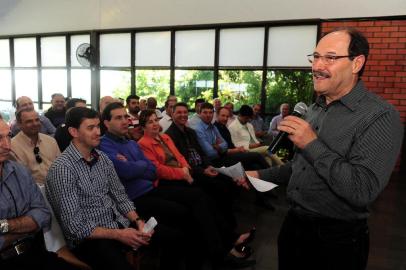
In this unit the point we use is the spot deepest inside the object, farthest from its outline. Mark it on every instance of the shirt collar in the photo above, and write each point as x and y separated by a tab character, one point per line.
350	100
28	139
76	155
118	139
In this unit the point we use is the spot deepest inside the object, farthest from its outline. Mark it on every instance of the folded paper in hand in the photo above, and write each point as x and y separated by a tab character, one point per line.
237	172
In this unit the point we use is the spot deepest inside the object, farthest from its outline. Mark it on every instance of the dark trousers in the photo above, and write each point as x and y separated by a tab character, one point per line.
322	243
103	254
37	258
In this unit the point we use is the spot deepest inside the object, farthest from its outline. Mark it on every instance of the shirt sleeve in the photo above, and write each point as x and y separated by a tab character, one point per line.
360	176
48	126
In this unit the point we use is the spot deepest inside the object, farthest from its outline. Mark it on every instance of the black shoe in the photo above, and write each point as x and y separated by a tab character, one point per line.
265	203
233	262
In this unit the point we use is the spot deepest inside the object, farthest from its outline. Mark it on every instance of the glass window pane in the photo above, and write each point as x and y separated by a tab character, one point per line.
115	83
194	48
4	53
5	84
193	84
240	87
75	41
27	83
289	45
80	84
152	49
287	86
115	50
25	52
53	81
153	83
53	51
242	47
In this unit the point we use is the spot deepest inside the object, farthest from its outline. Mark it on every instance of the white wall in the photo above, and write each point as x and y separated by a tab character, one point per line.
40	16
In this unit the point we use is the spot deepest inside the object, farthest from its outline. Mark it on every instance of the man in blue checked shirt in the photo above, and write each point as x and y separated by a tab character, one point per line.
89	200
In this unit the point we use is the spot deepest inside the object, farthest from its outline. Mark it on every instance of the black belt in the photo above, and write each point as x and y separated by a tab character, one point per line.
20	247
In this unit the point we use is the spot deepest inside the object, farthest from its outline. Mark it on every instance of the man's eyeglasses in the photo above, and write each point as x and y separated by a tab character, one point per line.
326	59
37	156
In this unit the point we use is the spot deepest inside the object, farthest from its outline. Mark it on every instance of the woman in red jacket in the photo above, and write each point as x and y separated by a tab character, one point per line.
173	171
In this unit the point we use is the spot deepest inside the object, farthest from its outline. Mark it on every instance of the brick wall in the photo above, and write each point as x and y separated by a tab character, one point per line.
385	72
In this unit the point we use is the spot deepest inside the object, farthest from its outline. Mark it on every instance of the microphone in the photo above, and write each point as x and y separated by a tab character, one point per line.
299	110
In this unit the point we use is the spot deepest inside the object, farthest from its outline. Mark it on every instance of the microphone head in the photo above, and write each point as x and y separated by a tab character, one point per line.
300	108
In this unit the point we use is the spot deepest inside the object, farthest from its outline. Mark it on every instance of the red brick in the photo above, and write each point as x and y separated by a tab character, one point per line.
376	79
392	79
370	73
398	34
402	102
400	85
376	40
385	96
388	51
382	34
387	63
392	90
401	108
399	22
333	24
397	45
374	29
400	74
402	40
383	23
390	28
389	40
379	68
394	68
395	56
375	51
378	56
387	73
402	28
386	85
393	101
370	85
367	23
372	62
399	96
401	51
369	35
379	45
401	63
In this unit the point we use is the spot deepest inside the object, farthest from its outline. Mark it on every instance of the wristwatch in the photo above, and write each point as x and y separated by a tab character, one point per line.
3	226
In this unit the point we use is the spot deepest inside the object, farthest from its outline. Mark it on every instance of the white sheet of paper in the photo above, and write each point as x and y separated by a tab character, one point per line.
261	185
236	171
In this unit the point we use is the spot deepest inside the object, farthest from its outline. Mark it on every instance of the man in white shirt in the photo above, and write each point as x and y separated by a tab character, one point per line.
166	120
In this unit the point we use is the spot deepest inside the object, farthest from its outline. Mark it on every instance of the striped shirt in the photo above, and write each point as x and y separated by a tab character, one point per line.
341	172
85	196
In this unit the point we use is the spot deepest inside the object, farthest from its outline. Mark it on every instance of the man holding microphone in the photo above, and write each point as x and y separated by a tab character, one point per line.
347	145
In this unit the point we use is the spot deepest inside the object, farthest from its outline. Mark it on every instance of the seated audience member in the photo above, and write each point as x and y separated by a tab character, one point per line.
217	106
230	107
257	122
173	170
26	103
195	119
137	174
284	111
31	148
166	120
216	147
133	108
152	105
285	143
23	216
243	134
143	105
171	98
104	101
218	186
62	136
89	200
57	111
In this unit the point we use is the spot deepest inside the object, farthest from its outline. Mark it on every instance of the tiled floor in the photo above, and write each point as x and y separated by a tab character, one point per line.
387	226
